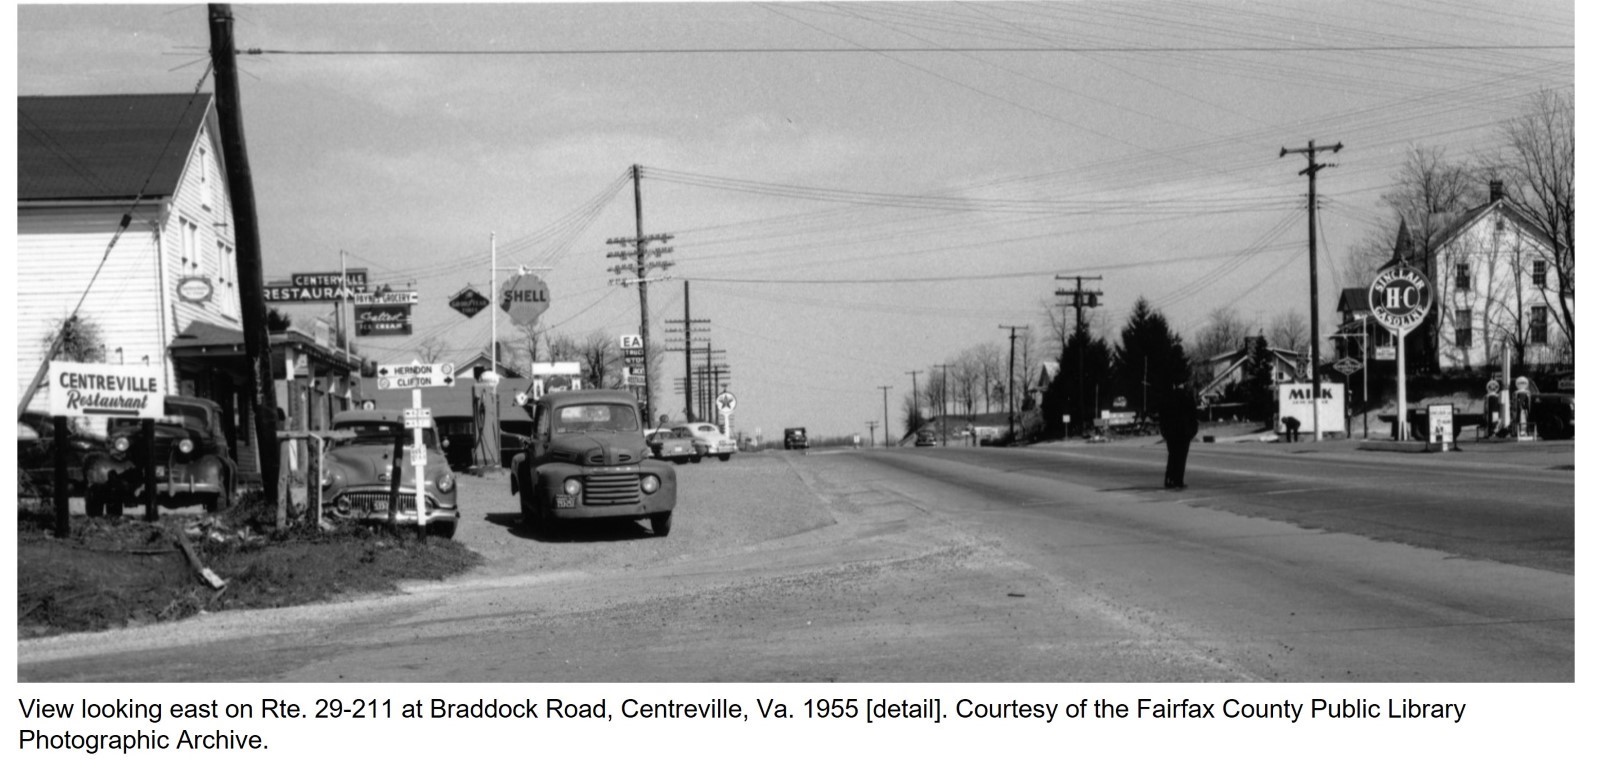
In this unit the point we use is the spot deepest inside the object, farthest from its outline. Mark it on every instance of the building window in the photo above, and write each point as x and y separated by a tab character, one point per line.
1539	270
1463	328
1539	326
190	233
227	267
1463	277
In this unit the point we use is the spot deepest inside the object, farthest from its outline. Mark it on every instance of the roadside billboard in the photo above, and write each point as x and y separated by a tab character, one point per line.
1294	400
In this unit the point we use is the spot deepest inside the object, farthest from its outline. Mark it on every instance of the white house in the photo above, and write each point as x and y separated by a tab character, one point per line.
123	216
1496	286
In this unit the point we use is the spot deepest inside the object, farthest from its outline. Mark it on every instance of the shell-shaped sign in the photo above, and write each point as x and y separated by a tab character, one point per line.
524	297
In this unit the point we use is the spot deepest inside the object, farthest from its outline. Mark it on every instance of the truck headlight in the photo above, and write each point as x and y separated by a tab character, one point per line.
572	486
121	444
186	446
649	484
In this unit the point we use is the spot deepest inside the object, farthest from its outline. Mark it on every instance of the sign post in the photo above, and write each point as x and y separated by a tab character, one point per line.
416	376
1400	298
725	405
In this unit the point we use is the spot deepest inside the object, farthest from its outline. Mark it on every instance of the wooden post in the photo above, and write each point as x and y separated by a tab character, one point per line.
147	438
394	475
63	517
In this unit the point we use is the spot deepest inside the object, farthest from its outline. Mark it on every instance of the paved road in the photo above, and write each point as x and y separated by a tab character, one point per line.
1053	565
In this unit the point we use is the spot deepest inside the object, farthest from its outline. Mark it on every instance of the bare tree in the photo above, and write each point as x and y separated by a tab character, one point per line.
429	349
81	340
599	356
1289	330
1427	191
1540	170
993	363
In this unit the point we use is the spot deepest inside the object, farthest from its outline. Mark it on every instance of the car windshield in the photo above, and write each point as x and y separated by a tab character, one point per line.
582	418
192	416
377	433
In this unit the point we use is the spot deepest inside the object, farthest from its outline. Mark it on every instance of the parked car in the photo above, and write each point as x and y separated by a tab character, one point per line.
708	440
1553	408
666	445
925	438
587	459
795	438
36	452
191	461
356	474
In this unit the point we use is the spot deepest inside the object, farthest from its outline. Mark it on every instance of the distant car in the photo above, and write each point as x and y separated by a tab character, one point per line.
356	474
191	461
925	438
795	438
36	452
708	439
666	445
587	459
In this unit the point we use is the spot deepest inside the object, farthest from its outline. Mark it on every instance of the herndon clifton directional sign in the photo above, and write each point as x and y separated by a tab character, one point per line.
416	375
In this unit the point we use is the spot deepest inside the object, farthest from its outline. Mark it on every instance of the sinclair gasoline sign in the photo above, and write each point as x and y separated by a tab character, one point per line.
1400	297
105	390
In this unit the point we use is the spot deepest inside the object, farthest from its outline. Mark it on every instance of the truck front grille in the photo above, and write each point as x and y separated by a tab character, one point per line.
611	489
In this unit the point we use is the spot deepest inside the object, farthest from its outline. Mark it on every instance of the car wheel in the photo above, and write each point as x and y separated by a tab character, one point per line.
1552	428
725	458
445	528
525	502
93	504
661	524
694	459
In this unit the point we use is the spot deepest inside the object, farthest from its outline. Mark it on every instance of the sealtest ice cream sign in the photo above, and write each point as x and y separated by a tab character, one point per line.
105	390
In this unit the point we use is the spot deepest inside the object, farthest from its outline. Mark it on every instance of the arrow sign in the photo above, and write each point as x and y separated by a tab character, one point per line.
416	375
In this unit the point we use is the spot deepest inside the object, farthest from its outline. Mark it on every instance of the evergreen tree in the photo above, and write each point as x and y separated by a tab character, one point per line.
1149	360
1063	398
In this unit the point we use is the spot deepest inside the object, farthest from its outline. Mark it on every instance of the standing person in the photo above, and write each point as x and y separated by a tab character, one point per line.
1179	424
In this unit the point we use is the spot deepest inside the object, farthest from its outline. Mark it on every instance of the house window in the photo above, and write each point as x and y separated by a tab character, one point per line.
1463	277
1539	269
1463	328
1539	326
190	233
227	267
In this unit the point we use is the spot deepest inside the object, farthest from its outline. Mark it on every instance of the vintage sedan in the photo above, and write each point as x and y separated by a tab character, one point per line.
708	440
190	461
666	445
36	452
587	459
358	480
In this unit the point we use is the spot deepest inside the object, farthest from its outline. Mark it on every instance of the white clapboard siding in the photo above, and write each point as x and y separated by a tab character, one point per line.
58	252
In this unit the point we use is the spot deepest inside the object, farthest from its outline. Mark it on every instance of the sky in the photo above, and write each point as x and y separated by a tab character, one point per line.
855	191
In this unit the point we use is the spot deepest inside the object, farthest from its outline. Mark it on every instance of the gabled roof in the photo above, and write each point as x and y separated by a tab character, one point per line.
1354	301
1403	247
105	147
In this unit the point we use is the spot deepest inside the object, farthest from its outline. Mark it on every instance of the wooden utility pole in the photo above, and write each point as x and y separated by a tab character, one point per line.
1011	382
944	398
1310	172
691	327
916	408
1080	300
247	244
639	269
885	389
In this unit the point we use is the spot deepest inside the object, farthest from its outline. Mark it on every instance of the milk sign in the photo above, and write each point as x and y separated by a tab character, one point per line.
106	390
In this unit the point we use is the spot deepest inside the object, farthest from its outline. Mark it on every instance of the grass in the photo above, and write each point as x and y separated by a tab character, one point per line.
119	572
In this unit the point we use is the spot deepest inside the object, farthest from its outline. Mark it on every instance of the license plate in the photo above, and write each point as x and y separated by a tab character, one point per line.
566	501
380	505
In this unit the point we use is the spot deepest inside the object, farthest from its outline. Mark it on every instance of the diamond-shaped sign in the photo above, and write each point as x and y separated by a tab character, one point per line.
469	302
1347	366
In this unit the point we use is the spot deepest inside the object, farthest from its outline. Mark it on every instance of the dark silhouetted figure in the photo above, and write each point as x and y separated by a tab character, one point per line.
1179	424
1291	427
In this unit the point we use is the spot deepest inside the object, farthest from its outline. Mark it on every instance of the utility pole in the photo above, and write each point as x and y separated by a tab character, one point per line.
916	407
247	244
885	389
689	330
639	269
1080	300
944	397
872	433
1310	172
1011	382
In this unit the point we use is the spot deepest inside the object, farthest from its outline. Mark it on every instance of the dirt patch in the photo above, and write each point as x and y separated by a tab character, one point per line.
123	571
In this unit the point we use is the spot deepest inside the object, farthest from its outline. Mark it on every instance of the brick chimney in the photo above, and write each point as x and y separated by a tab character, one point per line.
1497	190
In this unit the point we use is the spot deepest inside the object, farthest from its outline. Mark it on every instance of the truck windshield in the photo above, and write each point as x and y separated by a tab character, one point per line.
581	418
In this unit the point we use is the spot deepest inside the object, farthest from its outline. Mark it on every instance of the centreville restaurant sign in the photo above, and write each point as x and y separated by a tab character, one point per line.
105	390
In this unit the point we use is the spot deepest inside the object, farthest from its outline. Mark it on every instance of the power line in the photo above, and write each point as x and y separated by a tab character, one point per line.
894	49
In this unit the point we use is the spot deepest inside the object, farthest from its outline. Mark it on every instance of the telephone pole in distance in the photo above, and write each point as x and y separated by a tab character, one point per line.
1080	300
1310	172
